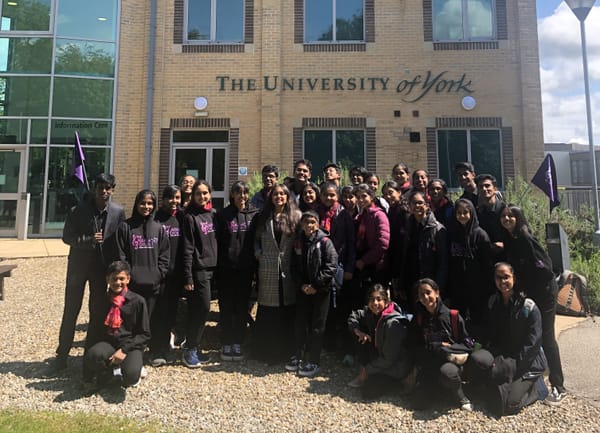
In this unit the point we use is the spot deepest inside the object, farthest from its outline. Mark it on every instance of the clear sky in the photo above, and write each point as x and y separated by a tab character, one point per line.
561	72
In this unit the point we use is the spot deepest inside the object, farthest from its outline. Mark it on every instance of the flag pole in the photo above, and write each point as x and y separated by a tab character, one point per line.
83	170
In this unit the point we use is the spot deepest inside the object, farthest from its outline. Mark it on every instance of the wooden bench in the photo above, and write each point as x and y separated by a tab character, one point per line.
5	271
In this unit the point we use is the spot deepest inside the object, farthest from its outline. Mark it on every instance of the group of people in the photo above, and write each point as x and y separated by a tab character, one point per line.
417	291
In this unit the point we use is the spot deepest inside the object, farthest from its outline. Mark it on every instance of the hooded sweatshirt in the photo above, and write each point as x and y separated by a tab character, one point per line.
199	242
235	236
172	224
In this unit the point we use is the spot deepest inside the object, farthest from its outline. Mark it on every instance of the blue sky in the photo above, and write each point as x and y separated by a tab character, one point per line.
561	72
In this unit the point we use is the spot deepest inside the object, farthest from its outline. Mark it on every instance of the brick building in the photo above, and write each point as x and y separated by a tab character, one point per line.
217	88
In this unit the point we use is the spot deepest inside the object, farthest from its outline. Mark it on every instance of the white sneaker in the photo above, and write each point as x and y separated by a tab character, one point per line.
555	397
143	373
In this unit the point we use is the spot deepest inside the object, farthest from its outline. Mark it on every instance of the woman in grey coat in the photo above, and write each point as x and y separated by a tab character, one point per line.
273	339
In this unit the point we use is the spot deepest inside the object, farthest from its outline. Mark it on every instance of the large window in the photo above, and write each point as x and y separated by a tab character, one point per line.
87	19
25	15
85	58
480	146
79	97
215	21
333	20
463	20
26	55
24	96
344	147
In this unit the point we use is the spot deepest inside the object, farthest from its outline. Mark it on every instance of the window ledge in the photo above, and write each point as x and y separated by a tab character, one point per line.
328	47
465	45
213	48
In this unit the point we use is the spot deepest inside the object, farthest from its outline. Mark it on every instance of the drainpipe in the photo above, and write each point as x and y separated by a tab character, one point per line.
150	93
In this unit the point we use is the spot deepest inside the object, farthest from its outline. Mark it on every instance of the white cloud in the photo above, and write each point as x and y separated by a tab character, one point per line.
562	75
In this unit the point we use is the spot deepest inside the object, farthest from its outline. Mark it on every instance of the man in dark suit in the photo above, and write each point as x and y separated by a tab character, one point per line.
89	230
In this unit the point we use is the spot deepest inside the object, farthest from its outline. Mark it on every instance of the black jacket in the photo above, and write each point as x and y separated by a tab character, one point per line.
342	234
134	332
143	244
235	236
515	331
199	242
172	225
389	334
314	261
81	224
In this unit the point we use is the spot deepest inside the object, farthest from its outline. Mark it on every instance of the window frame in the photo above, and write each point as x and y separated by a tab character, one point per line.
213	26
465	24
468	131
333	132
334	27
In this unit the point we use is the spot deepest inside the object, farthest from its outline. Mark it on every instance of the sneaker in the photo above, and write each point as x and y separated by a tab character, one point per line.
466	405
555	397
143	373
226	353
309	370
158	359
348	360
458	358
190	358
236	353
293	364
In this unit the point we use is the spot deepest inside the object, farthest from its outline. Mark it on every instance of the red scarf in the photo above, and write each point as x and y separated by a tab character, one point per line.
113	319
327	215
207	206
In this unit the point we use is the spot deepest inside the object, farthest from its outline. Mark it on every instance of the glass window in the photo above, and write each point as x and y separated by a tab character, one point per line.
78	97
24	96
190	161
13	131
39	131
215	20
35	187
481	147
26	15
345	147
26	55
63	191
463	20
333	20
89	19
200	136
85	58
93	132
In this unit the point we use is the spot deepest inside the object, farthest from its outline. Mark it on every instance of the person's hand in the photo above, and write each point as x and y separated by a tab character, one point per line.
98	237
360	265
117	358
361	336
348	276
308	289
188	287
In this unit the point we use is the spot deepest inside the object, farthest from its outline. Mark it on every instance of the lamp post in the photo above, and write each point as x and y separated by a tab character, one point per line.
581	9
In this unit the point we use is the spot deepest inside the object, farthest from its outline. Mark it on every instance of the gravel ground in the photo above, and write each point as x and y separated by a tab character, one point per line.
221	397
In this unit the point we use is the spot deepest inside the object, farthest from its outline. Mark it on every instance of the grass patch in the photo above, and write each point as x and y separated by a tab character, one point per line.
19	421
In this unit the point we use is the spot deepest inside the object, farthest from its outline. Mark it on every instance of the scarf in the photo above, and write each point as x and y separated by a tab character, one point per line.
113	319
208	206
327	216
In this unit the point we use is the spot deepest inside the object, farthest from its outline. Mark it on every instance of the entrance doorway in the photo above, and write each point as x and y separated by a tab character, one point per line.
13	208
206	161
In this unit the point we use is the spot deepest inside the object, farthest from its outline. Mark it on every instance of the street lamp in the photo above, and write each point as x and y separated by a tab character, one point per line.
581	9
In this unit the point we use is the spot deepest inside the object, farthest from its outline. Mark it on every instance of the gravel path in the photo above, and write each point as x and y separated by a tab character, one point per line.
245	397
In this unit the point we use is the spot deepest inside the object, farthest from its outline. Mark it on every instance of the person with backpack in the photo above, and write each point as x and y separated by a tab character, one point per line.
442	346
314	264
513	362
534	267
381	331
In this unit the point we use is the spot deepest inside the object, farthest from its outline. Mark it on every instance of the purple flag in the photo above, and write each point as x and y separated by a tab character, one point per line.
545	179
77	166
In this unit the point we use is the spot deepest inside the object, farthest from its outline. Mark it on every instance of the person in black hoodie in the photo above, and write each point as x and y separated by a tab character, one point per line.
534	268
142	243
235	268
381	334
314	266
199	262
118	335
170	216
470	265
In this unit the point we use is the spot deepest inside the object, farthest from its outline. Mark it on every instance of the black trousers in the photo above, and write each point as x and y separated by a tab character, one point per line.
234	292
96	362
311	316
85	266
198	308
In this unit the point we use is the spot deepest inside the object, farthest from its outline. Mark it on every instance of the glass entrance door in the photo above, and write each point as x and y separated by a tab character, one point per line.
11	184
203	161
